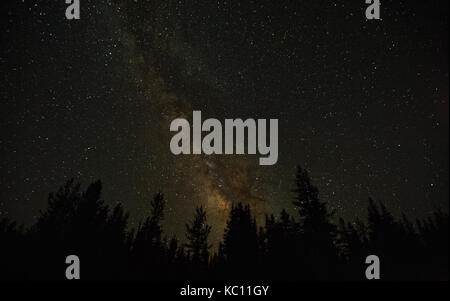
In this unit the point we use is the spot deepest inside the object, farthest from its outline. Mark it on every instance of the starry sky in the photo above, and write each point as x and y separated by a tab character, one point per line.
363	105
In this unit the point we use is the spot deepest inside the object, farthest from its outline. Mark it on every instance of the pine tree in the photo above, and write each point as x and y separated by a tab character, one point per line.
197	232
317	231
240	244
148	250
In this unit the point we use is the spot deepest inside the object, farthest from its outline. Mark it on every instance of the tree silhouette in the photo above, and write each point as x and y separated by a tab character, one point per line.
240	243
148	250
197	232
352	244
317	232
304	247
284	248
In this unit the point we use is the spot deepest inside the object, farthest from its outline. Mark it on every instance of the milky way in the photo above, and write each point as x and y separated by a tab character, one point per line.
363	105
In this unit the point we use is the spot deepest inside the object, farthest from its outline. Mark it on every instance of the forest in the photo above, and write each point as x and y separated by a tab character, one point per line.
309	246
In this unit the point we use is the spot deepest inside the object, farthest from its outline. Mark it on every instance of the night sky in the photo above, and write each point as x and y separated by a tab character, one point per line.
363	105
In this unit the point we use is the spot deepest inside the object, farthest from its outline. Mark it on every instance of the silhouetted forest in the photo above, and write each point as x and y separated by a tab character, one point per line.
308	246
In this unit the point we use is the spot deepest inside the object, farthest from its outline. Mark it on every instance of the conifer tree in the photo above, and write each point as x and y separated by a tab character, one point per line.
197	232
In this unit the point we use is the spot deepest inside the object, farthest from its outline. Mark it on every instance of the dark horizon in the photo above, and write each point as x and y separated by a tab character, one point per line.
306	246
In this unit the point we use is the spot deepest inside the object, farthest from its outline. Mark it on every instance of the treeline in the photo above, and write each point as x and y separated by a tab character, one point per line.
308	246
